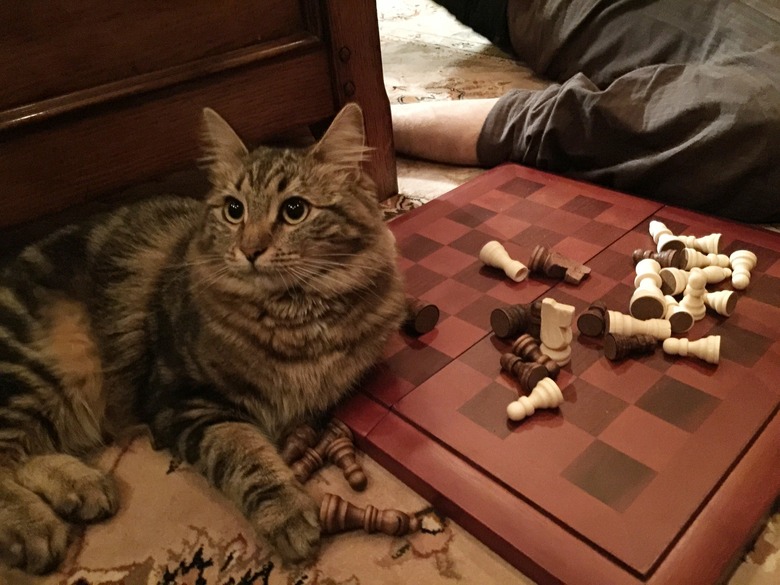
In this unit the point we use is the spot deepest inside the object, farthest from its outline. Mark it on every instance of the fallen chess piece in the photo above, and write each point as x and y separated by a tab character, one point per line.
495	255
696	259
546	394
514	320
722	302
620	323
618	347
554	265
528	374
297	442
592	322
314	458
526	348
647	301
680	319
421	317
667	259
338	515
706	348
664	238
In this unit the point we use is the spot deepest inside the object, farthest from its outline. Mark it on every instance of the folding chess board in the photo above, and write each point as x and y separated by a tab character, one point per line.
655	469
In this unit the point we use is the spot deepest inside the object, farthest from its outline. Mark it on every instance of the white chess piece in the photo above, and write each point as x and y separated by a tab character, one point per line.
680	319
621	324
696	259
708	244
657	229
495	255
546	394
706	348
556	330
693	300
673	280
648	301
722	302
742	263
716	274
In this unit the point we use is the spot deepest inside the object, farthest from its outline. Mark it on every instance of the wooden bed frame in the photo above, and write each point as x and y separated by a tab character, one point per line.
95	96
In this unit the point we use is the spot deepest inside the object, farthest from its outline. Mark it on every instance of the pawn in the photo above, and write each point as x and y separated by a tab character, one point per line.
722	302
528	374
545	394
593	320
314	457
555	265
618	347
342	453
706	348
680	319
667	258
658	229
647	301
297	442
513	320
669	242
338	515
742	263
421	318
693	300
708	244
495	255
526	348
696	259
627	325
716	274
673	280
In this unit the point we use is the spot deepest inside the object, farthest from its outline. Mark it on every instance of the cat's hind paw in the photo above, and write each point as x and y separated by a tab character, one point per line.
76	491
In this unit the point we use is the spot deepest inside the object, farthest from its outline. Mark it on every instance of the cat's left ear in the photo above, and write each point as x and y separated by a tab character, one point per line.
344	143
223	150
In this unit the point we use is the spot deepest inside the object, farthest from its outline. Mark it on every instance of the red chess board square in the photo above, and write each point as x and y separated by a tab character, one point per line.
583	484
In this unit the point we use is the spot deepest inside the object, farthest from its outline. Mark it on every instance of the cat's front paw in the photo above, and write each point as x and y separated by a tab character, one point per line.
32	537
290	523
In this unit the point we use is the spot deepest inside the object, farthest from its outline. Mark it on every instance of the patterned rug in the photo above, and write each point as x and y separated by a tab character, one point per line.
172	529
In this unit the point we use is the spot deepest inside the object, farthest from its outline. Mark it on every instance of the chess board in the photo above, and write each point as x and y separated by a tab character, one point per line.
655	469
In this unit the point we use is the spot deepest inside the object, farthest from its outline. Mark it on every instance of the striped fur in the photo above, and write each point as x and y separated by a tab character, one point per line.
220	334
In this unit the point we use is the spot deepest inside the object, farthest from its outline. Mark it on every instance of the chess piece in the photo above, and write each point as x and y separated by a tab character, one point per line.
673	280
313	458
297	442
341	452
716	274
722	302
554	265
647	302
627	325
528	374
421	318
556	333
708	244
706	348
618	347
667	258
495	255
526	348
592	321
693	300
680	319
663	237
513	320
696	259
546	394
338	515
742	263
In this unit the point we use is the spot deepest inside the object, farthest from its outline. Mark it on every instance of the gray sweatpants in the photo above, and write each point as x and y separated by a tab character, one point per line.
675	100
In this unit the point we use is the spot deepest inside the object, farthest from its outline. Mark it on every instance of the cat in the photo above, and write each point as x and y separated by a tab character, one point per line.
219	324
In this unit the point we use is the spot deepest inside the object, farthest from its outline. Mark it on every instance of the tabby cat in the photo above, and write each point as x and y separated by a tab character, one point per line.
220	324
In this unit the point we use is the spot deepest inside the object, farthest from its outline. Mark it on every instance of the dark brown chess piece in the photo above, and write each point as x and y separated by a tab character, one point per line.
421	317
528	374
297	442
338	515
342	452
313	458
618	347
513	320
555	265
592	322
671	258
526	347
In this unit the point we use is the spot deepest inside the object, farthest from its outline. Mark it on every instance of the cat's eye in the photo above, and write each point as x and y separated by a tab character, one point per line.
294	210
233	210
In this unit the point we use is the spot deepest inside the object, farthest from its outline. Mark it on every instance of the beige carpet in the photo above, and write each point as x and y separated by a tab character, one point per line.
173	530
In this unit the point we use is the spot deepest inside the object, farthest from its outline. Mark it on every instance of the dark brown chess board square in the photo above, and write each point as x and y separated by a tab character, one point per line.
643	455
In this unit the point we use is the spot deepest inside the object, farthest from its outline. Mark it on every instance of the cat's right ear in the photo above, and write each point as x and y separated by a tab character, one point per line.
223	150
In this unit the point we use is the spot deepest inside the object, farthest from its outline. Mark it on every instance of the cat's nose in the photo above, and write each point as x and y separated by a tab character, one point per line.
253	253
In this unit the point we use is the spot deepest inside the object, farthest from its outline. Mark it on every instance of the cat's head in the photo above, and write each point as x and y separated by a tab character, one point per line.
282	218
